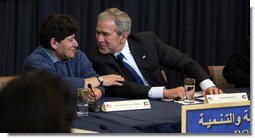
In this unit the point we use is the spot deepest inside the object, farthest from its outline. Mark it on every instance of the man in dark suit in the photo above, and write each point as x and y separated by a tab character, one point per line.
237	70
146	54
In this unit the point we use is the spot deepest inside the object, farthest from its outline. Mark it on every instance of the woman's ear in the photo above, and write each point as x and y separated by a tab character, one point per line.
53	43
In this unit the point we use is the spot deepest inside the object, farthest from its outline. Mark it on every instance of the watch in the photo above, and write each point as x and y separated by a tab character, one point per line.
101	80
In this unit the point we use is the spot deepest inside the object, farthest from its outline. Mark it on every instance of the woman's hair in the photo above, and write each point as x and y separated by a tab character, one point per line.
57	26
36	102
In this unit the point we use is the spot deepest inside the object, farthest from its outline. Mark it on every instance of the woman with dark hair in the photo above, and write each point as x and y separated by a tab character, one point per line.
59	54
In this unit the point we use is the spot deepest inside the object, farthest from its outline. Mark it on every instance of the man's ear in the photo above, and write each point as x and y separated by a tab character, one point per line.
53	43
123	37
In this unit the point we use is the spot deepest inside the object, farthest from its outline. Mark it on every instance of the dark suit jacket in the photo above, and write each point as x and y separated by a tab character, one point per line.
151	55
237	70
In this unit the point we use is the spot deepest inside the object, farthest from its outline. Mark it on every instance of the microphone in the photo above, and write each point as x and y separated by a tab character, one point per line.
94	107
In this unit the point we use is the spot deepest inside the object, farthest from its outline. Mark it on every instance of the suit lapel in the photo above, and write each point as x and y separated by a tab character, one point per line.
141	57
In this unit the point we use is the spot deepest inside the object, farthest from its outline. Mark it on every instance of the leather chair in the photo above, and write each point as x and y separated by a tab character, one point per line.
4	80
216	75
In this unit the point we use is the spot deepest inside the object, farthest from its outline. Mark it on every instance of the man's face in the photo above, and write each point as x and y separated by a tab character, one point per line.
66	48
108	41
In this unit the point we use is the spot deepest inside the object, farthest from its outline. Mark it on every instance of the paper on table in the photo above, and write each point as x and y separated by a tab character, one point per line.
198	94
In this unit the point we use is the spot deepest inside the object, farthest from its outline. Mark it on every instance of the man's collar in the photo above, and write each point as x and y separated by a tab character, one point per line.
125	51
54	60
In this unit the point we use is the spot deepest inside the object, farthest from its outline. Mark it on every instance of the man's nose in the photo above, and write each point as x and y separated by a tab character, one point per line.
100	38
75	43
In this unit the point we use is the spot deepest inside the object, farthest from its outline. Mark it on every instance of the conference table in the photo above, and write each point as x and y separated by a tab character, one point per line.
163	117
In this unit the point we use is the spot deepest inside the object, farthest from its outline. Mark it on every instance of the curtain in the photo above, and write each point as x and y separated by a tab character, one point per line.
207	30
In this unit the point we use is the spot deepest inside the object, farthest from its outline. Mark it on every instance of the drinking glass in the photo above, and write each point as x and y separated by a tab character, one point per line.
189	85
82	105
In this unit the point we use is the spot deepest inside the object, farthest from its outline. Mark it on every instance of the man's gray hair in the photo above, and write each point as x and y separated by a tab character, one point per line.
122	20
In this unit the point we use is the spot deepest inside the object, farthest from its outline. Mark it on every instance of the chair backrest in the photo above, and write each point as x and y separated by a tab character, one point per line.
4	80
216	74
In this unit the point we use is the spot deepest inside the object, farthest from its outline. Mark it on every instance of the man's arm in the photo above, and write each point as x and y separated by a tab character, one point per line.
41	63
128	89
107	64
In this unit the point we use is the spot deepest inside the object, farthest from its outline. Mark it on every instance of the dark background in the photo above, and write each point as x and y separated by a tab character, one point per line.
207	30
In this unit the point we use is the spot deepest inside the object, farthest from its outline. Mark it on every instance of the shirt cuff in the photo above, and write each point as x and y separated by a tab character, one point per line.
206	84
156	92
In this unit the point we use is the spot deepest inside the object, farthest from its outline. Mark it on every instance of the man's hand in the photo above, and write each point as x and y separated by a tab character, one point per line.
91	95
175	93
108	80
212	90
112	79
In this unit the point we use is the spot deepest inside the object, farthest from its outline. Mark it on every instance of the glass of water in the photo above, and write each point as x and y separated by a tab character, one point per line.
82	105
189	85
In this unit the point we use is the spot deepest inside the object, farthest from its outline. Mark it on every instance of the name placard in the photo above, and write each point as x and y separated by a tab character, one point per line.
224	98
216	118
126	105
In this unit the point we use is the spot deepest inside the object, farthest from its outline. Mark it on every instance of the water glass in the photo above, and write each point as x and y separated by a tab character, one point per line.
189	85
82	105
